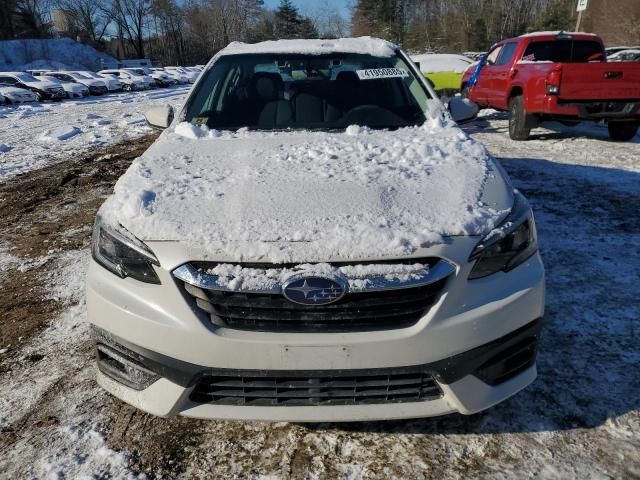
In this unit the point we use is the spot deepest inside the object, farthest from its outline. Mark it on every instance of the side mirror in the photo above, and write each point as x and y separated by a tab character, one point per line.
462	109
160	117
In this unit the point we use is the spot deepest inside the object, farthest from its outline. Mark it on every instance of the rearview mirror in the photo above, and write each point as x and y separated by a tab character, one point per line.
159	117
462	109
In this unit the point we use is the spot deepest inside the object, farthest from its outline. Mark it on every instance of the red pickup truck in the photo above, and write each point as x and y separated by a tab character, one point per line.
556	76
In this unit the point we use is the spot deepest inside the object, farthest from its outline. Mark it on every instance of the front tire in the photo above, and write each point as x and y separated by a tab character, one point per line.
623	131
518	120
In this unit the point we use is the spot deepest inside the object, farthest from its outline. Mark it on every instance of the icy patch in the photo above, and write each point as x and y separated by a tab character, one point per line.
59	134
4	147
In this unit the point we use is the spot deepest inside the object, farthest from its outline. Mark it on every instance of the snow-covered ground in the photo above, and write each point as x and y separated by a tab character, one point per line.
579	420
34	135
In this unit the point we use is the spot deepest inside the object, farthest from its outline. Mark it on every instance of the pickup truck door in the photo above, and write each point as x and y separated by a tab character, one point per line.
502	73
481	89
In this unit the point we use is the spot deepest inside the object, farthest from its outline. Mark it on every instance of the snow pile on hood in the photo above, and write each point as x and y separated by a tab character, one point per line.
306	196
366	45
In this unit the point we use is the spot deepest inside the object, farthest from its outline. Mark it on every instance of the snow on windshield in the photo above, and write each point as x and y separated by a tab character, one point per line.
306	196
25	77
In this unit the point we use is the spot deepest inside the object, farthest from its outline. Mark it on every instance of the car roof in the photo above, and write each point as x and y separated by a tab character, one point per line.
362	45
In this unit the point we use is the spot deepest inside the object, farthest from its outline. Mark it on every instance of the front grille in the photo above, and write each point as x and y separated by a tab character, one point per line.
357	311
293	388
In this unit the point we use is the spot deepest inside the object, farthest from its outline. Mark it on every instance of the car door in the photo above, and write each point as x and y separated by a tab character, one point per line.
501	75
481	90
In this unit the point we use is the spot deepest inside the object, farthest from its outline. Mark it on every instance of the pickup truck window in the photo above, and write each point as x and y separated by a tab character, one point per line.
564	51
508	50
493	55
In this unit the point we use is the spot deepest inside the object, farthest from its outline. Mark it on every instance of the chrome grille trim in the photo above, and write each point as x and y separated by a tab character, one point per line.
430	274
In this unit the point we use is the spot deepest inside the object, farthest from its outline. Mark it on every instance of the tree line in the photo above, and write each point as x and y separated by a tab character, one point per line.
169	31
474	25
192	31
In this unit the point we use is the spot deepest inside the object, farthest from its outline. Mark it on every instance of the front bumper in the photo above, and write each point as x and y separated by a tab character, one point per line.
471	323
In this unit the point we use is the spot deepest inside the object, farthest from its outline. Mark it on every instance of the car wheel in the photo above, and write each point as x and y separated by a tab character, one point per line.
623	131
126	88
518	119
7	101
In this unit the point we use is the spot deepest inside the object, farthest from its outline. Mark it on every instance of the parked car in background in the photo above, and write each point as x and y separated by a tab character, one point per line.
625	56
613	50
129	80
113	84
149	82
43	89
11	94
95	86
177	76
444	71
74	90
557	76
191	76
158	78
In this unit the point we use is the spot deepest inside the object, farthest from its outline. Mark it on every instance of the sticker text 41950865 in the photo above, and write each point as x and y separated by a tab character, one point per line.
373	73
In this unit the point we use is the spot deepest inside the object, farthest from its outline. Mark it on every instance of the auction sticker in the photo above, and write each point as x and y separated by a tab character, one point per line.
373	73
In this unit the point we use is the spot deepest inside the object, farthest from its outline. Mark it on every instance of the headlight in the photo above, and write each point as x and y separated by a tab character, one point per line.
123	254
509	244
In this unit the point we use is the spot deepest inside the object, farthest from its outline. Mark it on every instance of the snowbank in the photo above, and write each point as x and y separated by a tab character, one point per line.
54	54
307	196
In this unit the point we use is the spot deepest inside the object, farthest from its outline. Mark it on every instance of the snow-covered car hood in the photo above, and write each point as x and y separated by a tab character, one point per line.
95	82
43	85
261	196
15	91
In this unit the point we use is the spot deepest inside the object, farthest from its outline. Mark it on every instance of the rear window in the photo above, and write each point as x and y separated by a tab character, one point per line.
564	51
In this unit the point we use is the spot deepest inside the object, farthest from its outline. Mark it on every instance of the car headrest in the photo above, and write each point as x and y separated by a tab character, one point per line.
267	86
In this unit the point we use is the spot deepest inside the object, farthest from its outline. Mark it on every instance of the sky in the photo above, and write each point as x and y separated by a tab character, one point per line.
342	6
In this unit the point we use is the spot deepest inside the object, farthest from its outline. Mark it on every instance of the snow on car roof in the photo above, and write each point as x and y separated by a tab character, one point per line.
365	45
557	32
442	62
301	196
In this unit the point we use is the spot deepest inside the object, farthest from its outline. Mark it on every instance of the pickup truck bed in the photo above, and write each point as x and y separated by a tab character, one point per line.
561	76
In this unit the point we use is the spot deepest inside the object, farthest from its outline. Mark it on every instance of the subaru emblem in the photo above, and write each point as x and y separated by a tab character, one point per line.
313	290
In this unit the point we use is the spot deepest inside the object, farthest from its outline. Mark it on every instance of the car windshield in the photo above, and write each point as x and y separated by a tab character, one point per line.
320	92
25	77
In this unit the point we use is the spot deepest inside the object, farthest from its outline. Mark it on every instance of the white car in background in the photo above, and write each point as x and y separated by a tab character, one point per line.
95	86
74	90
180	78
130	81
631	55
43	89
327	248
10	94
149	82
191	76
113	84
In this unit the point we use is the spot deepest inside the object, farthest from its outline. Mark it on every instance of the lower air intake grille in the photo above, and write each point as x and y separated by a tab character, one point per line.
296	388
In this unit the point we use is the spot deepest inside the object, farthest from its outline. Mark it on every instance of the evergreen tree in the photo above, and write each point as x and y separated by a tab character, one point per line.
290	24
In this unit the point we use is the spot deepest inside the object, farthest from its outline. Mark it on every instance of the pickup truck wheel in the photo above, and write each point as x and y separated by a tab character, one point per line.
623	131
518	119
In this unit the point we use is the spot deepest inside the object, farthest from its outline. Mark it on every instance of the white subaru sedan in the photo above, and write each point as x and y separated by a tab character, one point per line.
312	238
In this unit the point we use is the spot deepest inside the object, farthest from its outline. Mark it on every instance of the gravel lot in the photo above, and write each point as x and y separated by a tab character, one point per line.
580	419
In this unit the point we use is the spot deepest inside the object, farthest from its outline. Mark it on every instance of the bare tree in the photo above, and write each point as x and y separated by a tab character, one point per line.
88	18
132	19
